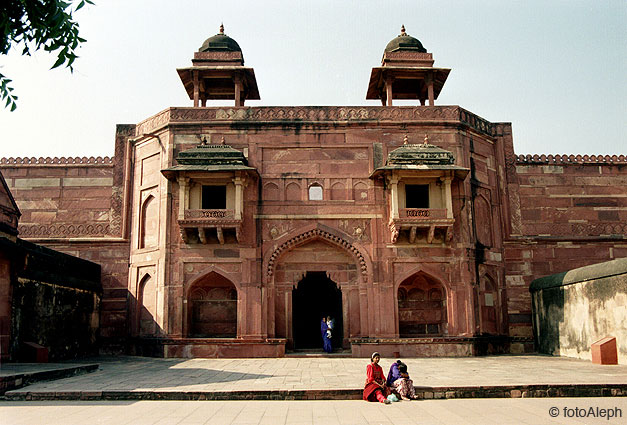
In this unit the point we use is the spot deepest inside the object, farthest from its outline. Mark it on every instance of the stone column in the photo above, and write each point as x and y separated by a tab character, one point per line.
239	200
447	196
238	90
388	89
183	196
394	200
430	90
196	88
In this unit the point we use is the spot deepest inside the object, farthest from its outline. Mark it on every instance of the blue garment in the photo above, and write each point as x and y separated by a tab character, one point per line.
326	341
393	374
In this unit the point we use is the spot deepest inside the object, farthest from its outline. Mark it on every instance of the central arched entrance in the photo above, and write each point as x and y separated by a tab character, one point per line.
313	297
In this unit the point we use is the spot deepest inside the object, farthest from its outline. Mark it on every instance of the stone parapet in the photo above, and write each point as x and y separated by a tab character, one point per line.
572	310
570	159
302	115
62	161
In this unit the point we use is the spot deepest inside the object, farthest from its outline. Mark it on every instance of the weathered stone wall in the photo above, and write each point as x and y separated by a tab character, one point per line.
55	303
571	212
79	206
67	197
574	309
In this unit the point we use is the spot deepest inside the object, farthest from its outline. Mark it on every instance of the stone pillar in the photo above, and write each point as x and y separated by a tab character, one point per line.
388	89
394	200
183	196
239	199
238	90
196	88
430	90
447	196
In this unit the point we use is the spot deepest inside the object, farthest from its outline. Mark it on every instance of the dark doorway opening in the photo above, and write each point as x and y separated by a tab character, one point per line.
316	296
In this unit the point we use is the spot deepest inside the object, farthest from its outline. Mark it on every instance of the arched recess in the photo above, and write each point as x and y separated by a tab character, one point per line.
483	220
149	223
338	191
360	192
212	307
147	307
292	192
270	192
319	232
489	305
422	306
315	248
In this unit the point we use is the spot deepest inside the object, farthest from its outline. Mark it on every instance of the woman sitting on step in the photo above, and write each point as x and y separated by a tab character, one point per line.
375	389
399	382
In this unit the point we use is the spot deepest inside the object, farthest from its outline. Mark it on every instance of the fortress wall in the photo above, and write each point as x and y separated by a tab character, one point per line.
573	213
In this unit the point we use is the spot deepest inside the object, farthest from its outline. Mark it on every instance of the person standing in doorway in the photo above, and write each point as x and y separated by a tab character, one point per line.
326	339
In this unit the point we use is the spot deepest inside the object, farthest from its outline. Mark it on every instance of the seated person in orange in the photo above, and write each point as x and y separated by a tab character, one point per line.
375	389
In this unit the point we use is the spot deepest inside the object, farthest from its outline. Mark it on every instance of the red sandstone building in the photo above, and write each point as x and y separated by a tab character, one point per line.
230	231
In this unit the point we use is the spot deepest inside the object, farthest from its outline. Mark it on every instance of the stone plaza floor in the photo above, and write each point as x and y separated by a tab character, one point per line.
130	374
51	402
532	411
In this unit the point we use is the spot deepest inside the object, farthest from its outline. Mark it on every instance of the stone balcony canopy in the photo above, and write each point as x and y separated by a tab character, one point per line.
210	179
419	178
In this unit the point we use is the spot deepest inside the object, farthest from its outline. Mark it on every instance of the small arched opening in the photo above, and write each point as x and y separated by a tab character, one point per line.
422	307
212	308
147	305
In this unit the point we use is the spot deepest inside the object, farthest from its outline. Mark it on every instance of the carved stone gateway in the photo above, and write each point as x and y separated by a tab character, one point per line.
222	230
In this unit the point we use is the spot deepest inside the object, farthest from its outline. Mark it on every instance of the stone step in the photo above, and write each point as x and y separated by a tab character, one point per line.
503	391
10	381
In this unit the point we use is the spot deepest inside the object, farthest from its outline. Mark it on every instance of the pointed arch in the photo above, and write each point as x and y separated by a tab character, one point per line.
483	220
293	192
211	307
338	191
147	306
149	223
271	192
317	232
422	306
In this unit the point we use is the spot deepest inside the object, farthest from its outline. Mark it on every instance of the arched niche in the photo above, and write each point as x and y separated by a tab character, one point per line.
422	309
292	192
338	191
271	192
147	306
360	191
489	305
149	223
212	307
483	220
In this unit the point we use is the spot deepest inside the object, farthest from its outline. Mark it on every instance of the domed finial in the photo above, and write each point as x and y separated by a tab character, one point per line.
426	142
403	31
221	28
405	140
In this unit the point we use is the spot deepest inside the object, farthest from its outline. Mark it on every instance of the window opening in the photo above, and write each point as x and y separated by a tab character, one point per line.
315	193
416	196
214	197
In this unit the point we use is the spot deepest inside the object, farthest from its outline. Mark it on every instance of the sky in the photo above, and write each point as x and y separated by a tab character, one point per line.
557	70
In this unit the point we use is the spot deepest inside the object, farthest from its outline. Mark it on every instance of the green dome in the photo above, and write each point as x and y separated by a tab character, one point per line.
405	42
220	43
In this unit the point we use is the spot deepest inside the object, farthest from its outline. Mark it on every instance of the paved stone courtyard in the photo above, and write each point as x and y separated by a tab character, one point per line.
319	373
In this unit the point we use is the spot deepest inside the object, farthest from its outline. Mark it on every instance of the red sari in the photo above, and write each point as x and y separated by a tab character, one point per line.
374	377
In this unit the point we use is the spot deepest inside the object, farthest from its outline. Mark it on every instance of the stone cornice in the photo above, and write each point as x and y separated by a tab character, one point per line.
311	115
